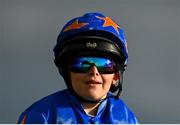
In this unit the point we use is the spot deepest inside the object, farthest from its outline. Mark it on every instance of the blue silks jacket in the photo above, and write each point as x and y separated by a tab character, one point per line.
63	108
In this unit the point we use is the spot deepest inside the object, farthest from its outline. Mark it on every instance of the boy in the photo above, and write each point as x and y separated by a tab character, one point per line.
91	55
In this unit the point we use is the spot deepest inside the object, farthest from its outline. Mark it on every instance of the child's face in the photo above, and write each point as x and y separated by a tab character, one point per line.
91	85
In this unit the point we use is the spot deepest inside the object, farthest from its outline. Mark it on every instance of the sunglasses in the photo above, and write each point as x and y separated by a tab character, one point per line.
83	64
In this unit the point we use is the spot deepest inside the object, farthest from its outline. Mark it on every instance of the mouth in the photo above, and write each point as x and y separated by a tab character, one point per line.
92	82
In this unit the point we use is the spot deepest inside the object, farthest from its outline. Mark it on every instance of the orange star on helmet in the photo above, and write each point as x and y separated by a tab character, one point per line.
74	25
109	22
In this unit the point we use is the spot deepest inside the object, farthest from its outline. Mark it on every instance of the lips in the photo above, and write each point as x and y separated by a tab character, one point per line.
92	82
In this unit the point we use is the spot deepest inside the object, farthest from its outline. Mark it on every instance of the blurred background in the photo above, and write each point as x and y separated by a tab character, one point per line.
28	32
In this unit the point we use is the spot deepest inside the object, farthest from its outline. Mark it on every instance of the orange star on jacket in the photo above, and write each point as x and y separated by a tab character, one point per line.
109	22
75	25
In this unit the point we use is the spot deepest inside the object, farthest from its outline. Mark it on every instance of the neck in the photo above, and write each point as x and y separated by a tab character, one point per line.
90	108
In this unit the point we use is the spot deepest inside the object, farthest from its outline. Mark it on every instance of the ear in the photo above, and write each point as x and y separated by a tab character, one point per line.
116	77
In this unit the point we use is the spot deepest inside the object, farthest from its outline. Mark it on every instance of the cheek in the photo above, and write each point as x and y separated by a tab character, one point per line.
76	79
107	79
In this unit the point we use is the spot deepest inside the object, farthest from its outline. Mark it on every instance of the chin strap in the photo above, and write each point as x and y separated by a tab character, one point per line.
118	86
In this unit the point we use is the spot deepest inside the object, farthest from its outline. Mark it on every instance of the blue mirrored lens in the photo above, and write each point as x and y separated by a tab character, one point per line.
82	64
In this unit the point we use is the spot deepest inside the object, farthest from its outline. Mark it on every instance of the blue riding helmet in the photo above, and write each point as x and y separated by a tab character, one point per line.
104	34
92	34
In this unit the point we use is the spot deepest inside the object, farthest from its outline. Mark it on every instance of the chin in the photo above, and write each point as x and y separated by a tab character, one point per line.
94	97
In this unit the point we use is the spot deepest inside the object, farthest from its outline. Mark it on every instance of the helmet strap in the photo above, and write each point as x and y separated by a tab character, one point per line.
118	87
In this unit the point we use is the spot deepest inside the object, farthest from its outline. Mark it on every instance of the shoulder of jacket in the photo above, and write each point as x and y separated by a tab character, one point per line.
47	101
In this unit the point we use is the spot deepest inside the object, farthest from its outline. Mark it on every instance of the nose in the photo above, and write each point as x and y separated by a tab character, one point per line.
93	71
